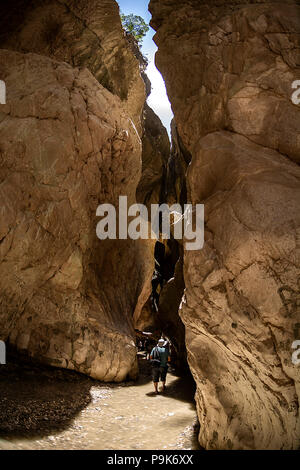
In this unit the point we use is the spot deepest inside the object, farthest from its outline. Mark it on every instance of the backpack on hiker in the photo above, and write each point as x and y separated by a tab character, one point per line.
155	361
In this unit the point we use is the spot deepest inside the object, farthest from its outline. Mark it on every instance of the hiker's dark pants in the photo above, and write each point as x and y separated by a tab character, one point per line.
159	372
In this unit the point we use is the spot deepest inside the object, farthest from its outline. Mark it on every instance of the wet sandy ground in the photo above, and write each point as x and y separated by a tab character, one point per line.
47	408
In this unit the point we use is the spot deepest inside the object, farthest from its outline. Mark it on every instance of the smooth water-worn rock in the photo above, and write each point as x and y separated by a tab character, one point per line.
69	141
155	155
235	116
67	145
81	33
168	317
175	183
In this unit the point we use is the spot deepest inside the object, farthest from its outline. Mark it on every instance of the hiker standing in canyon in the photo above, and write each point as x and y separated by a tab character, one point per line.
159	359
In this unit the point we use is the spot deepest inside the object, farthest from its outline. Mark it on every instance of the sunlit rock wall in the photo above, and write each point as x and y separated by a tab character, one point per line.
69	141
156	152
229	68
82	33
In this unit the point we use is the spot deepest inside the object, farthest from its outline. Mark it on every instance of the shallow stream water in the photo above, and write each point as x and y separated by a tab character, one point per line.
53	409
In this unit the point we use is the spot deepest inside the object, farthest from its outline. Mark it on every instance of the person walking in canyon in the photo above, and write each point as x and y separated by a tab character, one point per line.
159	359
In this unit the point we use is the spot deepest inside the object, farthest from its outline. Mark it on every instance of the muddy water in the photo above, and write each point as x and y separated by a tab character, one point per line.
109	416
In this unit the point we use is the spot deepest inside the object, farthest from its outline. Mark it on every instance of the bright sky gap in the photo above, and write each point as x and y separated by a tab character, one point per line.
158	100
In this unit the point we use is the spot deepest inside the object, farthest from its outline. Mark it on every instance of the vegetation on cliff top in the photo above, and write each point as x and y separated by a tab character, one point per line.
135	25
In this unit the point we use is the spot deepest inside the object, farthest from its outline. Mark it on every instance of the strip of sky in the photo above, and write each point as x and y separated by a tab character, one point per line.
158	100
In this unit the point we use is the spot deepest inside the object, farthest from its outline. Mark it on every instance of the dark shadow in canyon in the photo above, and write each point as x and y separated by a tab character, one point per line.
36	399
183	388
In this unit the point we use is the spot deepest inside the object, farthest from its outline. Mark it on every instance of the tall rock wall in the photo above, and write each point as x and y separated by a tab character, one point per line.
234	115
81	33
69	141
156	151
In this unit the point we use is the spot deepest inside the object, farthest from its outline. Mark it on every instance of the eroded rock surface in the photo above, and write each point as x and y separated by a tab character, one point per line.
81	33
168	317
179	159
67	145
156	151
234	115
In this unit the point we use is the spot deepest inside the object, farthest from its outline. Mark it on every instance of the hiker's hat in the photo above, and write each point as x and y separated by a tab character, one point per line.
161	341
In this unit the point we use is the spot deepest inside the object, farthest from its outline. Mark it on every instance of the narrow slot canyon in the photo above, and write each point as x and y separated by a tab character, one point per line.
80	314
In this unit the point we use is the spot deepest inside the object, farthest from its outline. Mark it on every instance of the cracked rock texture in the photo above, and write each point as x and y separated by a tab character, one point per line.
67	145
175	183
70	140
168	317
82	33
235	117
156	151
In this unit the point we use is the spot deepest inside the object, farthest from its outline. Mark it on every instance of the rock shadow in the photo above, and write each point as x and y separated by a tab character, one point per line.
37	400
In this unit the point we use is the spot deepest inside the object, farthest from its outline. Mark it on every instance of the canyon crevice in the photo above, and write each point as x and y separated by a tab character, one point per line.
76	132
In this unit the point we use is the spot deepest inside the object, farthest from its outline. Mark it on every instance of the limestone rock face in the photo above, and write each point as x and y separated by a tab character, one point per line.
67	145
175	182
155	155
234	115
168	317
82	33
